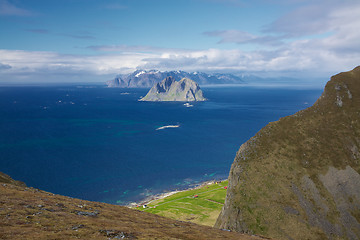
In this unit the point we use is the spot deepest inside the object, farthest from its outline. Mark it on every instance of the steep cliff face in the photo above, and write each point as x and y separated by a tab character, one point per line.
185	90
298	178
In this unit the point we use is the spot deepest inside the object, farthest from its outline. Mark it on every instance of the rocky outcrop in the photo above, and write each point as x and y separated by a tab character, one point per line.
185	90
147	79
298	178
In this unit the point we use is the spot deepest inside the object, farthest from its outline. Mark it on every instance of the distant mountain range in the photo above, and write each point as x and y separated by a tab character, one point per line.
147	79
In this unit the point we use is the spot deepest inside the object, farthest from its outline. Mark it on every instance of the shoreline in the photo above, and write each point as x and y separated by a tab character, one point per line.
159	196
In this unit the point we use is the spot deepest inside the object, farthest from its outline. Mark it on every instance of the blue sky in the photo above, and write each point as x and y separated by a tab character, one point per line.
93	40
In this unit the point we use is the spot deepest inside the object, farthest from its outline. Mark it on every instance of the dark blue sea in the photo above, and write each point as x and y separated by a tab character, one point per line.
97	143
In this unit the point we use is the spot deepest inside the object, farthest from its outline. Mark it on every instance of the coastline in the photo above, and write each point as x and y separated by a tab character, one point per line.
159	196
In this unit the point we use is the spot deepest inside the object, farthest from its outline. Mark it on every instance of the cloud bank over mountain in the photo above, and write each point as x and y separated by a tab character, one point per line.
308	38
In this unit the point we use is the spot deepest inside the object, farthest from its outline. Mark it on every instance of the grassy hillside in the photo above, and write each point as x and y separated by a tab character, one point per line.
7	179
28	213
201	205
299	177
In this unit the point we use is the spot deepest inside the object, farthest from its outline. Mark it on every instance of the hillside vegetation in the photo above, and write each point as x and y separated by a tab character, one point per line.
29	213
201	205
298	178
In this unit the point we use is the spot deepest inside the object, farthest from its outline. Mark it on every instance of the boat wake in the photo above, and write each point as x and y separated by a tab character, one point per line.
168	126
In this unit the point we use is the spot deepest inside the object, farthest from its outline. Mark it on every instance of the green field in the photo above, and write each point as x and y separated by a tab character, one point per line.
203	209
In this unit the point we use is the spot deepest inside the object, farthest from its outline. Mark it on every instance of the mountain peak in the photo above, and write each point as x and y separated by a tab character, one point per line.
185	90
164	85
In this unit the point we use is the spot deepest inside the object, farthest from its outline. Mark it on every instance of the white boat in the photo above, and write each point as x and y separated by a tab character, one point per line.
188	105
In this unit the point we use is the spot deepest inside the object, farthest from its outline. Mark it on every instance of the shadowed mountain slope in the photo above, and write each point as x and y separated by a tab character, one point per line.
185	90
298	178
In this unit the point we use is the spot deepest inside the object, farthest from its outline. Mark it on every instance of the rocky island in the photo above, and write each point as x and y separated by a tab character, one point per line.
185	90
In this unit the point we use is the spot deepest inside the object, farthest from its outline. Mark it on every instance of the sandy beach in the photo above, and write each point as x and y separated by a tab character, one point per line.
167	194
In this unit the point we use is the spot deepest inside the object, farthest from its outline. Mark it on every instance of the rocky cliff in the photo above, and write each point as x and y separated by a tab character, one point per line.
298	178
185	90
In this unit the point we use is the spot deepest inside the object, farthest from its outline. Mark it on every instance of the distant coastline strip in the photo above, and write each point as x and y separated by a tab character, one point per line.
168	126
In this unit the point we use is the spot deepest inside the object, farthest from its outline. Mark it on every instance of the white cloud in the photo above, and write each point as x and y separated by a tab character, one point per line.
8	9
133	48
312	20
317	17
30	65
316	37
303	57
32	61
307	20
4	66
241	37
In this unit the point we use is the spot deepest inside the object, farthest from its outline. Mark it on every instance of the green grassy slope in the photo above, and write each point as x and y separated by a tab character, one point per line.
203	209
299	177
